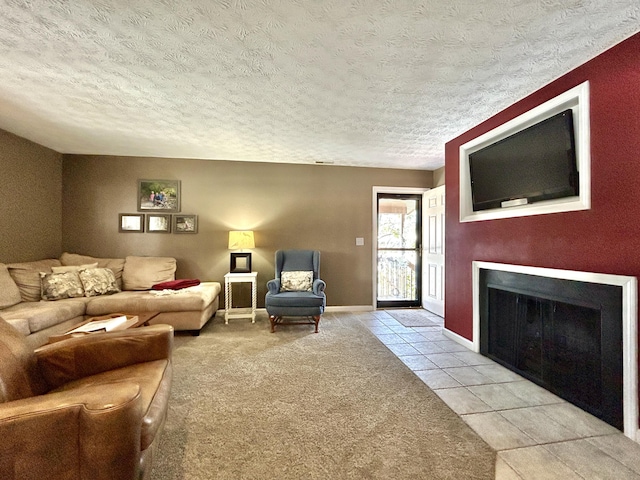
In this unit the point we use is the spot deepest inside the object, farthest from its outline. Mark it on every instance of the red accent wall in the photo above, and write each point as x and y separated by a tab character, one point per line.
604	239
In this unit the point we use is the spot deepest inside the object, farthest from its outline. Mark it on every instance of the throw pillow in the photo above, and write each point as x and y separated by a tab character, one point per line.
296	281
115	264
73	268
27	277
9	291
98	281
56	286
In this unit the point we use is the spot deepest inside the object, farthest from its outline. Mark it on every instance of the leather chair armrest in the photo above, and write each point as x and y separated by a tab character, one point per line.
89	433
80	357
318	286
274	286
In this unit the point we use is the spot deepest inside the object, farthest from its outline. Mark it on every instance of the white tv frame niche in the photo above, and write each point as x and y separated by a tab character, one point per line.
577	99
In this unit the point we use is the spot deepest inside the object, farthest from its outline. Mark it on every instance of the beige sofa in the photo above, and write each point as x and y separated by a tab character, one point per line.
23	306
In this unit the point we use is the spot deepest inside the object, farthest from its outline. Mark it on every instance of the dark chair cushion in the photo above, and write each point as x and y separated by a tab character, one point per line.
295	299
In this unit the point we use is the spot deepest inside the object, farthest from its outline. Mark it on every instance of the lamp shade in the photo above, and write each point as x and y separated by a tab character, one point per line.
239	239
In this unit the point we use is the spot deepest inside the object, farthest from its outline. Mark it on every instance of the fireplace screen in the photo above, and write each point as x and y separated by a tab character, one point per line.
563	339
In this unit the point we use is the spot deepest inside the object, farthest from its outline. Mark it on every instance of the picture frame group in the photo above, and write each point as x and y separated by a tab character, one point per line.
159	200
157	223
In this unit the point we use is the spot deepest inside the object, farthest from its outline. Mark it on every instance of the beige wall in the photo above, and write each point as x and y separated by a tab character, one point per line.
31	210
288	206
438	177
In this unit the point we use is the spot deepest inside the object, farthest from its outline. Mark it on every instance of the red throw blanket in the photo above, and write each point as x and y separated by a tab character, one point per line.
176	284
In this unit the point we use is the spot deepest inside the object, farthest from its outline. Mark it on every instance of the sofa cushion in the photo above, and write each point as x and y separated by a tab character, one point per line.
56	286
115	264
73	268
98	281
9	291
299	299
196	298
44	314
20	324
27	277
142	273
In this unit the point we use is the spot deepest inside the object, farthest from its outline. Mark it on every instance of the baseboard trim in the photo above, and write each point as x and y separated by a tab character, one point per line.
458	339
335	308
350	308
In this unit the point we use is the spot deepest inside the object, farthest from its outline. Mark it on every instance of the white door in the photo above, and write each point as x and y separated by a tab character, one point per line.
433	251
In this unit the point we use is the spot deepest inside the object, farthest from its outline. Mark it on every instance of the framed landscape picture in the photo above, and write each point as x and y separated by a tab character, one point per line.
185	223
131	222
158	195
158	223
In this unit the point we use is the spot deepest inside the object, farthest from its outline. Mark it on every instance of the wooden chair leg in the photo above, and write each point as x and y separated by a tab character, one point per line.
274	319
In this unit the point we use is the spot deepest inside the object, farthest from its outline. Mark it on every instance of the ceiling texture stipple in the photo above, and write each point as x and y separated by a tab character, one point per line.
370	83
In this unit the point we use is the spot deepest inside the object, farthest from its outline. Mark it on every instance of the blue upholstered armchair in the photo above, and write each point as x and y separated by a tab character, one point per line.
297	290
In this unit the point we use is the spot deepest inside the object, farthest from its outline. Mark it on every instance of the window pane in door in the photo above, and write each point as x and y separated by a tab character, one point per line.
397	275
397	223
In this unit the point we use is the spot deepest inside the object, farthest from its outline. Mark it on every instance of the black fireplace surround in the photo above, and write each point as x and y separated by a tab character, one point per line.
564	335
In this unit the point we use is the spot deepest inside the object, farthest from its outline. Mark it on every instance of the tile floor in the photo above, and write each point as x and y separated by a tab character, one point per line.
537	434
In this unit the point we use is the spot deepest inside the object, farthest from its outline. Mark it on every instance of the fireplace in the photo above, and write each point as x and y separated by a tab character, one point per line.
573	333
564	335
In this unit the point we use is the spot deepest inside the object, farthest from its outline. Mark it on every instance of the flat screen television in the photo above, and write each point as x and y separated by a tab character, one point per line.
534	164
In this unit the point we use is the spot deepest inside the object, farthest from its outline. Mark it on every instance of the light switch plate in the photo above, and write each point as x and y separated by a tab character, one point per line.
359	241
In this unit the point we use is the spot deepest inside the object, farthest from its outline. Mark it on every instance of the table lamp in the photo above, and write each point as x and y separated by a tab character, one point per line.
239	240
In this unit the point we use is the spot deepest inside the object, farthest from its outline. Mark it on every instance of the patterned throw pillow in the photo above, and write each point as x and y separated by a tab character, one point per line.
296	281
98	281
56	286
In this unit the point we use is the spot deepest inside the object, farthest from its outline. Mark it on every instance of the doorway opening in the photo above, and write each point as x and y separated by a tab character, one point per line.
399	250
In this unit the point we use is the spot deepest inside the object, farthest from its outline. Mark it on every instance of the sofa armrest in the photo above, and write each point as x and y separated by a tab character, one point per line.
318	286
80	357
274	286
88	433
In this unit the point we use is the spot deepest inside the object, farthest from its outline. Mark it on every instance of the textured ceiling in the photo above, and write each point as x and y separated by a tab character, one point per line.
381	83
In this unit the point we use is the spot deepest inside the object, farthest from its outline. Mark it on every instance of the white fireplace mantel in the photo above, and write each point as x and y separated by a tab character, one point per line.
629	325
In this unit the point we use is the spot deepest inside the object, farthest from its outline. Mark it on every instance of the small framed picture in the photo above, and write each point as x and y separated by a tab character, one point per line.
158	195
185	223
158	223
240	263
131	222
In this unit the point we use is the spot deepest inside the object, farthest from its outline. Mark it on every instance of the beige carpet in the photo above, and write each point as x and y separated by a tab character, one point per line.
249	404
413	317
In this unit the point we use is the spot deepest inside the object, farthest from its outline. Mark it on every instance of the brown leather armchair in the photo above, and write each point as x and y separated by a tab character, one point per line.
87	408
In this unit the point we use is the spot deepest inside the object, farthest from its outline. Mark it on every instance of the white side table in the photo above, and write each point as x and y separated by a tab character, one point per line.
229	312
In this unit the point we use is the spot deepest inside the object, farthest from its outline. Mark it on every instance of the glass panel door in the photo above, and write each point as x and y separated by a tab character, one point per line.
399	240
